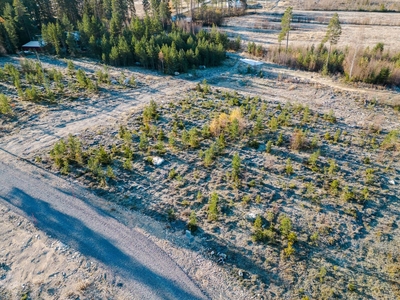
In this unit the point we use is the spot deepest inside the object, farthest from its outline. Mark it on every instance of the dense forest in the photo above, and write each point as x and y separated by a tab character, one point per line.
110	30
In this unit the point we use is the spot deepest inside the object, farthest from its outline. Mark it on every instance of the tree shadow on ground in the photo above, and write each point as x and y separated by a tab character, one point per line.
75	233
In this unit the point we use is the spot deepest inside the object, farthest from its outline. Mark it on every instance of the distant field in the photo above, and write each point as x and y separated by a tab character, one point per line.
365	28
368	5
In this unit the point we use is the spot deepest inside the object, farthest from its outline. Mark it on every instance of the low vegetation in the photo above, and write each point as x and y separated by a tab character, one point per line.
256	177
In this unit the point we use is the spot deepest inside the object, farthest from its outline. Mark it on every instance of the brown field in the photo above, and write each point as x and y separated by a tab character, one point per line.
365	28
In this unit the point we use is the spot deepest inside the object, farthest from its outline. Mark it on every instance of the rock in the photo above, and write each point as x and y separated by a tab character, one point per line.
188	234
240	273
114	81
392	182
202	67
157	160
176	73
251	216
126	81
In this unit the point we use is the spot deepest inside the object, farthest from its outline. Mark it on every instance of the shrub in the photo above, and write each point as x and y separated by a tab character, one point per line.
103	77
273	124
289	167
334	187
285	226
391	141
82	78
218	124
289	250
30	94
235	167
143	142
279	141
298	140
268	147
213	207
312	160
193	139
102	156
150	112
70	68
128	165
172	174
330	117
347	194
192	225
369	176
5	107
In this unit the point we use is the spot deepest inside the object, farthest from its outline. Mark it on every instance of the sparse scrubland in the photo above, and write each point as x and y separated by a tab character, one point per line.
284	191
287	180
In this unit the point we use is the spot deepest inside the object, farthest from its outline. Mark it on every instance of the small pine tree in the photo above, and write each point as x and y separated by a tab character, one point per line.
235	167
213	207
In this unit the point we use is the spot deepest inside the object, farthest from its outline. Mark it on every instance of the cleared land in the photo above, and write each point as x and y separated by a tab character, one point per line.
289	222
343	223
363	28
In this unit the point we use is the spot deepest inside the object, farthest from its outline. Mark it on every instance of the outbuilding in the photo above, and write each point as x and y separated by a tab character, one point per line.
37	46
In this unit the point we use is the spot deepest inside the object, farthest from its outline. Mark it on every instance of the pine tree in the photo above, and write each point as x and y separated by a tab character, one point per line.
52	34
332	34
124	51
23	21
235	167
114	56
285	23
71	43
11	27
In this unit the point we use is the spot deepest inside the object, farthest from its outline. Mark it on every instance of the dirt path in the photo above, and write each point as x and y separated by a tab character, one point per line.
62	210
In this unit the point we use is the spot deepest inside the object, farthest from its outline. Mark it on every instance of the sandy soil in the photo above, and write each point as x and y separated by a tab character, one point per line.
35	264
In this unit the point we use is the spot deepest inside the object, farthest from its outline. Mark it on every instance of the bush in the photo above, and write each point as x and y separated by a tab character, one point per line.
213	207
298	140
192	225
5	107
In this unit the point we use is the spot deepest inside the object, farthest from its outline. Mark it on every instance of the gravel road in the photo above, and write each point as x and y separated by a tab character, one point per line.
60	209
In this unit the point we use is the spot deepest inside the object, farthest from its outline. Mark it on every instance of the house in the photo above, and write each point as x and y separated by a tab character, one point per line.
37	46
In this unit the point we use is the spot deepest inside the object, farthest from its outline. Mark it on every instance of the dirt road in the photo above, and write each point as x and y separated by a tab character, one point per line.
61	210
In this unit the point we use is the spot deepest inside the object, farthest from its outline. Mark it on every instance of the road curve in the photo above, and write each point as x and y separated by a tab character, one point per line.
61	211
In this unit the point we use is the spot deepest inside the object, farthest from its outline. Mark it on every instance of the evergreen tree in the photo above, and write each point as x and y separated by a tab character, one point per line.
10	27
332	34
114	56
68	8
285	23
105	48
71	43
125	54
52	34
24	24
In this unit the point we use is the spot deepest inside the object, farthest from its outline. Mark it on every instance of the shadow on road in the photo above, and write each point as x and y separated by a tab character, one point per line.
76	234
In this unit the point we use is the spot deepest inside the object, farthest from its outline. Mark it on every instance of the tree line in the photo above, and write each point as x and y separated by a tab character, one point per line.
110	30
